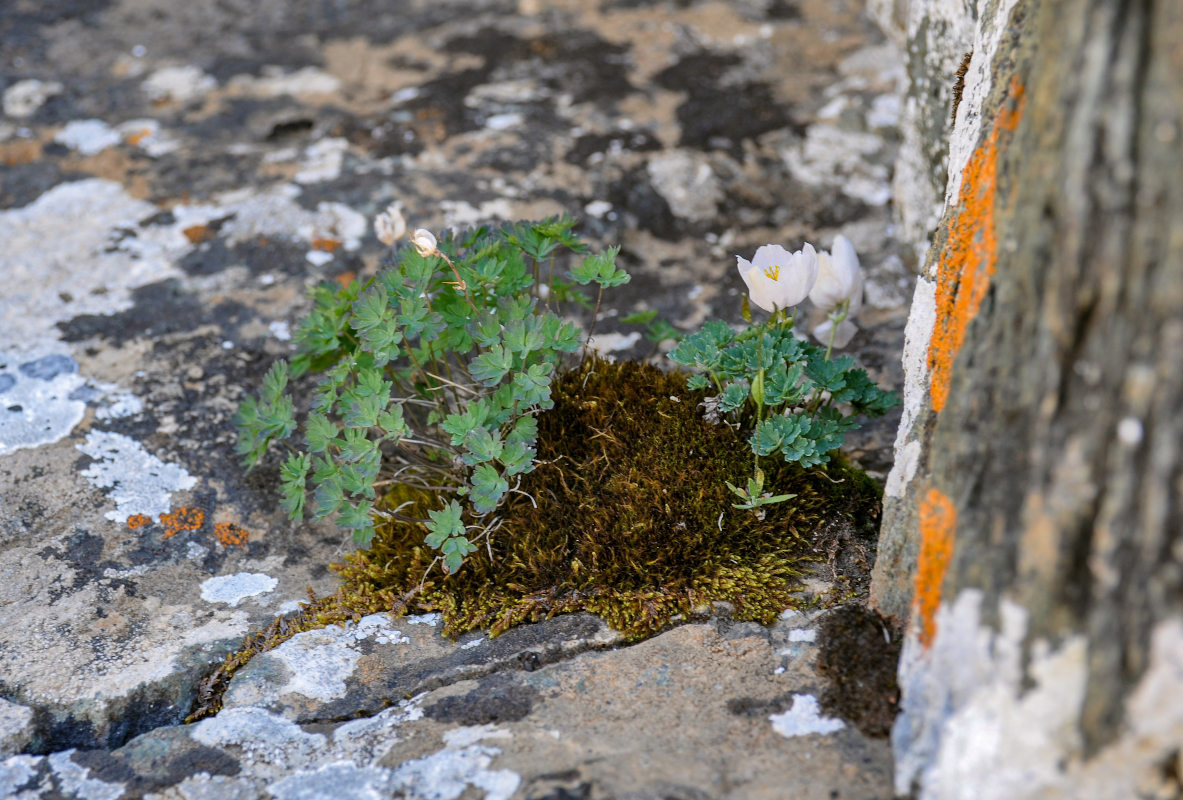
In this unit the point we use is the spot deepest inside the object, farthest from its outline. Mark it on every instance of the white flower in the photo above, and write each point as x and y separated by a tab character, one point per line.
777	278
424	241
842	334
390	226
839	278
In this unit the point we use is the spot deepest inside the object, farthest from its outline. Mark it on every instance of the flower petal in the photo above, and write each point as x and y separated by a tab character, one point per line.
798	277
770	255
842	336
840	278
777	278
763	290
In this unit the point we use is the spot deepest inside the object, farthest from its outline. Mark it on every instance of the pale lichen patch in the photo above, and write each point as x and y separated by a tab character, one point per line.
804	718
233	589
139	482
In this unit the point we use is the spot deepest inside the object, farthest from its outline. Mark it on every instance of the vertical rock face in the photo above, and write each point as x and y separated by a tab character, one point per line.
1033	532
938	34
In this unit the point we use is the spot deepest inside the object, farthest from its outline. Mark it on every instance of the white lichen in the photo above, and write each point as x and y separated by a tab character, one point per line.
233	589
804	718
138	482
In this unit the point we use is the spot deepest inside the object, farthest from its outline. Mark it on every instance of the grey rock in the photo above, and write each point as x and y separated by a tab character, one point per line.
163	216
1032	533
687	182
15	727
340	673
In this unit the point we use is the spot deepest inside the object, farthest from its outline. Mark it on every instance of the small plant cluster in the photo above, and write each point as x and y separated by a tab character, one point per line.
634	521
431	375
797	401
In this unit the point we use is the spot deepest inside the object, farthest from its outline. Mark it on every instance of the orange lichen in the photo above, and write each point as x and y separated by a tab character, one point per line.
327	245
966	261
197	233
231	535
346	278
938	524
138	521
183	519
137	136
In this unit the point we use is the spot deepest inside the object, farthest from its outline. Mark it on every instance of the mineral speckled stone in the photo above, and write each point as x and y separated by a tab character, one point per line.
175	180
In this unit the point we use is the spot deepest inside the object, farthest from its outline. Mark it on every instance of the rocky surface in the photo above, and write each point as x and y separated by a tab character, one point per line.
175	177
1033	524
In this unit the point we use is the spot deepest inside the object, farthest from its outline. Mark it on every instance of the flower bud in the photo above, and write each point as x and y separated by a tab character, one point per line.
390	226
839	278
424	241
840	336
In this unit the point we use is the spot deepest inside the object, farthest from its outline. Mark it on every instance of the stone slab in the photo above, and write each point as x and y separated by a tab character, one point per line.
176	176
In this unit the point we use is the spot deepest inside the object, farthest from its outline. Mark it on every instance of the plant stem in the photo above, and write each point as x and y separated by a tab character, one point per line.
837	317
550	286
592	328
460	284
760	399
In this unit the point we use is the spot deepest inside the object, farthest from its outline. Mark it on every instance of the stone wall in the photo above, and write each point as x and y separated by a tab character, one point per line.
1033	534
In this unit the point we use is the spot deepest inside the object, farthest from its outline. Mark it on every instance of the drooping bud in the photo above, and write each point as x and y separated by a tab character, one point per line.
836	336
839	279
390	225
424	241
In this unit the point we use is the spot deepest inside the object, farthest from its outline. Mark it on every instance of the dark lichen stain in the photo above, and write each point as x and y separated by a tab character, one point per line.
718	112
577	63
590	144
634	193
103	766
495	700
574	60
145	708
199	758
753	707
859	654
21	184
53	732
158	309
166	757
83	551
581	791
39	777
784	9
26	28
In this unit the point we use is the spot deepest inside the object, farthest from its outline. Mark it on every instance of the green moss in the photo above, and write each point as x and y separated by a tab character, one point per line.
627	516
633	522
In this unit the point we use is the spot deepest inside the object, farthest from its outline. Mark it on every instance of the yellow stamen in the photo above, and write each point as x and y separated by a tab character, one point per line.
773	272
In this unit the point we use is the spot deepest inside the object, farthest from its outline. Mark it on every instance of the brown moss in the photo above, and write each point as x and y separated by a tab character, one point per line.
633	521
